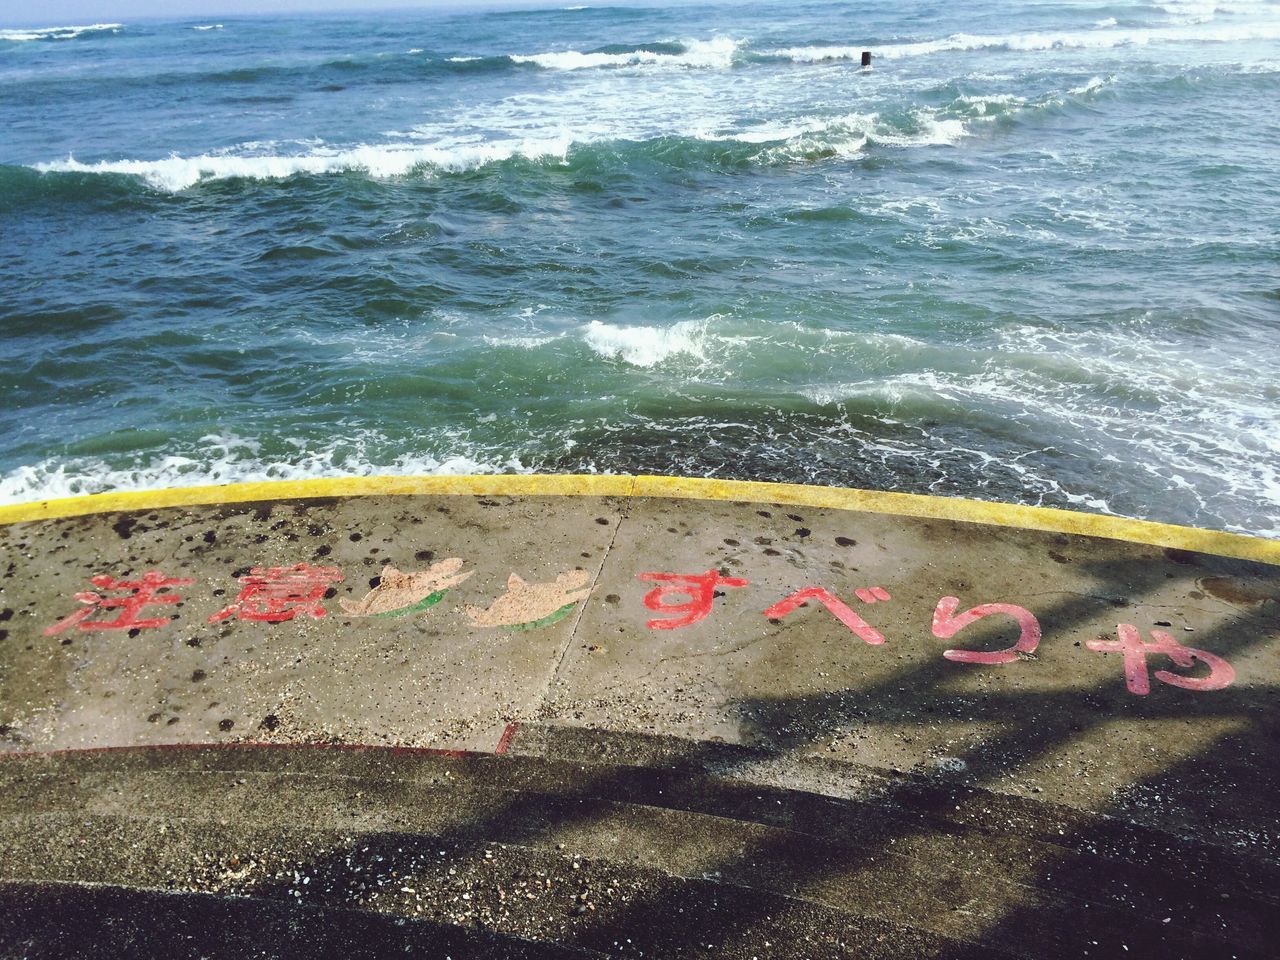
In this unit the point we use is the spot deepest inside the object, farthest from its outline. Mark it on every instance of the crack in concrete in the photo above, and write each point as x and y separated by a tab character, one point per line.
539	707
1109	602
717	652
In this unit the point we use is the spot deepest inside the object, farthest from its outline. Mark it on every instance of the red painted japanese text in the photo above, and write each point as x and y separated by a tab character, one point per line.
139	594
1136	651
700	591
843	612
275	594
946	624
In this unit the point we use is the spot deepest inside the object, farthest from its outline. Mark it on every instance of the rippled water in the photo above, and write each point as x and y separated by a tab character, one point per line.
1031	255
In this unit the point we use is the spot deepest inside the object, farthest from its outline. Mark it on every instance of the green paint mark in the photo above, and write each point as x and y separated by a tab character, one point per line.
423	604
547	620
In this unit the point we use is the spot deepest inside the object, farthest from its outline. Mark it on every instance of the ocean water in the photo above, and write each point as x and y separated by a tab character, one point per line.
1032	255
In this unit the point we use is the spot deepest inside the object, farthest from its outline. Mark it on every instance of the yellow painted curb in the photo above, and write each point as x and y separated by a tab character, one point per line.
1192	539
526	485
1213	542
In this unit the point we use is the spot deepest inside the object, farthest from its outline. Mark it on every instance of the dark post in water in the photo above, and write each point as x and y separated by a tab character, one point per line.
866	58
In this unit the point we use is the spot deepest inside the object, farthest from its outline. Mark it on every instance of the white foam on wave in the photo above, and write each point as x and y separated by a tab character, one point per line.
1029	42
1207	416
818	54
1190	11
850	134
233	459
760	133
984	103
208	26
1094	84
844	135
932	132
797	140
645	346
58	33
1194	434
717	52
377	160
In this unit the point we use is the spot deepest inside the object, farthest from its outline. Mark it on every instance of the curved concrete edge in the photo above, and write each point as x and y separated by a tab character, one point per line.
1053	520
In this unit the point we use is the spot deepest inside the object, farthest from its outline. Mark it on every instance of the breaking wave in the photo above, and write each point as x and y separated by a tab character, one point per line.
723	52
58	33
803	140
1024	42
176	173
694	144
218	460
644	346
717	52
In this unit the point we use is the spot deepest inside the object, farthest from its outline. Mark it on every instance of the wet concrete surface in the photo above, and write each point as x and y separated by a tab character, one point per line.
781	768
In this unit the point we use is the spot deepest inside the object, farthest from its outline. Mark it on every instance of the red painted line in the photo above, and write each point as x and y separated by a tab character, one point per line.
504	742
247	745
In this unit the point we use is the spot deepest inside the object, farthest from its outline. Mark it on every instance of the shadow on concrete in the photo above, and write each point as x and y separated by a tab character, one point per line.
1189	845
59	921
971	861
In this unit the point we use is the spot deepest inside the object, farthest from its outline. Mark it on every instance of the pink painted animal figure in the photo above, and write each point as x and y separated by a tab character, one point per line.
533	604
400	593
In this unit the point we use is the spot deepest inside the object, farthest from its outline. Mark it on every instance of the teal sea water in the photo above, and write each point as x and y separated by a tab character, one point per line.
1031	255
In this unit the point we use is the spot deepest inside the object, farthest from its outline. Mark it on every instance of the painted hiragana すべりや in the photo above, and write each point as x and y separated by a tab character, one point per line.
842	611
699	588
947	623
1136	651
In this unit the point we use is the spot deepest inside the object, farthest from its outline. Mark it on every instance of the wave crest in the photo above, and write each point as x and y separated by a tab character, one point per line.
218	460
1030	42
58	33
715	53
176	173
695	144
645	346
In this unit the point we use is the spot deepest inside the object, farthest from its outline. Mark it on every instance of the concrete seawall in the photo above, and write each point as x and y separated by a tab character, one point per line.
967	669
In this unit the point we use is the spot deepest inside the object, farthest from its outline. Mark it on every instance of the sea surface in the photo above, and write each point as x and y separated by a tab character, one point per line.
1032	254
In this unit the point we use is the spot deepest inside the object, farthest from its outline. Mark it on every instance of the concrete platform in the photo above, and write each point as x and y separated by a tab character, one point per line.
983	723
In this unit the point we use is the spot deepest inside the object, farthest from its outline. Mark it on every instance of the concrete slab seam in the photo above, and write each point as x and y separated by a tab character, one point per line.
577	622
504	744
